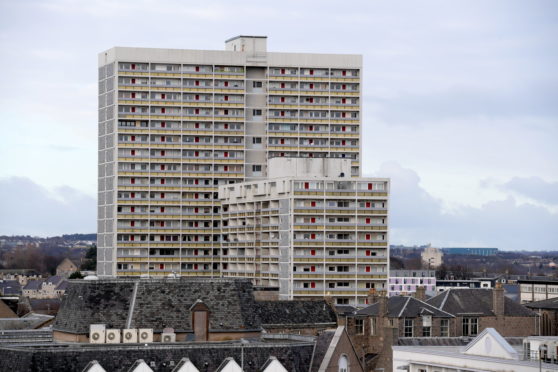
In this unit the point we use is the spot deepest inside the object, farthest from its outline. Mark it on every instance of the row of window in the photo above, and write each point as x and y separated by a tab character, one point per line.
408	327
189	68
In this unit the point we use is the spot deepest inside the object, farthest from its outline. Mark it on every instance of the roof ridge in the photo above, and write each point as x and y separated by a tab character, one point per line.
432	306
404	306
445	299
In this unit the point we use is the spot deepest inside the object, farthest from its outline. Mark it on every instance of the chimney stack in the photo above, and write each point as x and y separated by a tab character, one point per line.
372	296
383	300
420	293
498	299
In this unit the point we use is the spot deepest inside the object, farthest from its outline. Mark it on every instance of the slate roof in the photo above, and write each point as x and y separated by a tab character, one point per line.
33	285
55	279
322	344
345	309
551	304
296	312
447	341
10	287
62	285
405	307
475	301
159	303
206	356
50	305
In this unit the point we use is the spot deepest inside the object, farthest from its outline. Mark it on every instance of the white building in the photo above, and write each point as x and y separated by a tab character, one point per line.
176	124
487	352
309	230
432	258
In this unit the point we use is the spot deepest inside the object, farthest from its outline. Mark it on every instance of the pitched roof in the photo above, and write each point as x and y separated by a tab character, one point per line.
476	301
62	285
34	284
551	303
55	279
5	311
322	345
405	307
10	287
44	304
157	304
296	312
477	345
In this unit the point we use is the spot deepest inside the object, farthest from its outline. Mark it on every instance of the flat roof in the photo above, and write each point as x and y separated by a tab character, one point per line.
250	36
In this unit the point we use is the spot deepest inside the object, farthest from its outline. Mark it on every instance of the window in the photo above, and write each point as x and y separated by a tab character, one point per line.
256	112
359	326
470	326
444	328
256	168
256	140
425	331
408	329
343	364
257	84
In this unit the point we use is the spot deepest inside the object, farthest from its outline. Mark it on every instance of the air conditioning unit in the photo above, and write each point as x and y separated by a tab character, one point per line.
129	336
145	335
112	336
97	333
168	337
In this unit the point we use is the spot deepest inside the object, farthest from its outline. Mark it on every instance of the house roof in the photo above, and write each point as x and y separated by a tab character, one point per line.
10	287
44	304
34	284
5	311
68	261
157	304
55	279
62	285
296	312
405	307
294	355
475	301
551	304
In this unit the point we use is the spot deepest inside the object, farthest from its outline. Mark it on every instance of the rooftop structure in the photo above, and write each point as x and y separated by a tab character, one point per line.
489	351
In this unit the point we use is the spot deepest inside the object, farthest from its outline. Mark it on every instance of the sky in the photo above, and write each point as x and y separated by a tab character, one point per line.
460	104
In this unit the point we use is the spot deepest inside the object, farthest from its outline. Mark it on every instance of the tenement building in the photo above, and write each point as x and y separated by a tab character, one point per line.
308	229
174	125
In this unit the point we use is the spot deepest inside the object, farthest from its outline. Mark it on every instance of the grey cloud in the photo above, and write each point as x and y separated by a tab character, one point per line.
417	217
28	208
535	188
539	99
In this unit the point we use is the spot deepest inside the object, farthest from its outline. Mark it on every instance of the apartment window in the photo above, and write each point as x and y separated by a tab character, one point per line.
367	269
257	112
313	252
256	140
257	84
359	326
426	332
470	326
256	168
444	328
408	328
